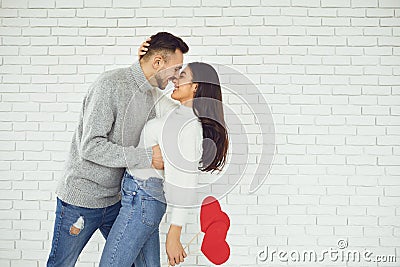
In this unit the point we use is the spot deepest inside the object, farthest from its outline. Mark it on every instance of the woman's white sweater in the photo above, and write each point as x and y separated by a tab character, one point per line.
179	134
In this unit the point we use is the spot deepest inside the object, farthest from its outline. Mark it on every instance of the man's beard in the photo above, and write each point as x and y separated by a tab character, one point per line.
160	82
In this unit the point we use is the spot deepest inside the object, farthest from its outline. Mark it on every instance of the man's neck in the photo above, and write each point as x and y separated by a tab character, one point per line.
146	70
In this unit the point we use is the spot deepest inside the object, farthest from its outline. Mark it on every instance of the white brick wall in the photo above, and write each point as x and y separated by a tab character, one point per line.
329	70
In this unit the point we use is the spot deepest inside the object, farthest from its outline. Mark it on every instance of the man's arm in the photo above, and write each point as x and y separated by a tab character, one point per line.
98	119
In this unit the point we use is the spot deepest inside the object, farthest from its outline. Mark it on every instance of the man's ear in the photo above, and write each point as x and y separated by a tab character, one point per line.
158	62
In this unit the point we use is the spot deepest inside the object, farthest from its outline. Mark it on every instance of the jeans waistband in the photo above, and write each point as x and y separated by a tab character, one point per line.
151	182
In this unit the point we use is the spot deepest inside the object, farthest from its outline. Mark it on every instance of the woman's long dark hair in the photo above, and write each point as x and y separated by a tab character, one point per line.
207	105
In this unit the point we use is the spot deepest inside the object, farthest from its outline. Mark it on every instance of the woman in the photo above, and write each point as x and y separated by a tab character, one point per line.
134	237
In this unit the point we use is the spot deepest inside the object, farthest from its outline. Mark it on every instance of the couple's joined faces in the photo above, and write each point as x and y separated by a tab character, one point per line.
169	69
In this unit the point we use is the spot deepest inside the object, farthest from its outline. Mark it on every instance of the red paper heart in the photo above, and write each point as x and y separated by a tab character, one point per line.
209	209
222	217
211	212
214	246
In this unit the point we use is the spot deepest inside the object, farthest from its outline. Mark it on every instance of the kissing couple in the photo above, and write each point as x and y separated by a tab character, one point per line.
137	150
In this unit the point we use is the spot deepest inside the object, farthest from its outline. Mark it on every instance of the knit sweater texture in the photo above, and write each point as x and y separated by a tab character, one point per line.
104	144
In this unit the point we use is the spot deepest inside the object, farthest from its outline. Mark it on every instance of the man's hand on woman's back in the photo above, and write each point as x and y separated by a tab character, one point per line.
157	161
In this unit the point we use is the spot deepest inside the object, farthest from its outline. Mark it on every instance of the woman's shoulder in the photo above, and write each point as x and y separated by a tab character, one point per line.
153	123
174	121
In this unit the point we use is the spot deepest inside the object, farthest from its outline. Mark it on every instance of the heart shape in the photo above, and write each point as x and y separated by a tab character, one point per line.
215	224
211	212
214	246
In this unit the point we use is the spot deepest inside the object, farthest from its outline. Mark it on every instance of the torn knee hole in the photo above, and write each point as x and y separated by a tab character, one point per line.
77	227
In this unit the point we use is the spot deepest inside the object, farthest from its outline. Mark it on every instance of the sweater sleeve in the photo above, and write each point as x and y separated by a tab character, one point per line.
184	178
98	119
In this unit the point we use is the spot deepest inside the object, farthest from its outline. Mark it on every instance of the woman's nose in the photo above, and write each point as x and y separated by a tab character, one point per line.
174	80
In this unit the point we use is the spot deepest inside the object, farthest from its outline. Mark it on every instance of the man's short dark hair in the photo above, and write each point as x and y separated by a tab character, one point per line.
165	43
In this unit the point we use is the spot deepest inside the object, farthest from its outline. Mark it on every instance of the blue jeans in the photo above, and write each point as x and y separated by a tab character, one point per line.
73	228
134	237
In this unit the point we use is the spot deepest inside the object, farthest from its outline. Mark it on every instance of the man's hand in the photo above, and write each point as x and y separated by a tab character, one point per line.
157	161
174	248
143	48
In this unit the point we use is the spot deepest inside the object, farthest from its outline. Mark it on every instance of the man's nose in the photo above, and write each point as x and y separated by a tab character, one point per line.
177	72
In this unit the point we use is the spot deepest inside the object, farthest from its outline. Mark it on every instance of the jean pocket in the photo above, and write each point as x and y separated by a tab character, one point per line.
152	210
128	186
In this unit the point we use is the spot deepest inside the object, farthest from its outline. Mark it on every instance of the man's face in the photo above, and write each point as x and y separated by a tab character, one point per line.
170	69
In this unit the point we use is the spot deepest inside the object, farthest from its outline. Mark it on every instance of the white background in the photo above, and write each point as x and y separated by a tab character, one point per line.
329	70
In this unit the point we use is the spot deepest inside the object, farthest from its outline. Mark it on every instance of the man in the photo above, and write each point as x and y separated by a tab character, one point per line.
113	113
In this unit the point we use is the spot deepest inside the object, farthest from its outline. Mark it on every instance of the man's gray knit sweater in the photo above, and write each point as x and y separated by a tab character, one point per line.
114	111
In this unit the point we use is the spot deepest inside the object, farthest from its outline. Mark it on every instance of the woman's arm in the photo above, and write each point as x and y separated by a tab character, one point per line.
184	180
142	50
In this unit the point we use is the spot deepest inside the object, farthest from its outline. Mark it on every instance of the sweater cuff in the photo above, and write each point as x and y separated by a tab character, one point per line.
139	158
178	216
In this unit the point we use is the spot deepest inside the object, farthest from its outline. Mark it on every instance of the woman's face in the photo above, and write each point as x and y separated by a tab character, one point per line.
184	88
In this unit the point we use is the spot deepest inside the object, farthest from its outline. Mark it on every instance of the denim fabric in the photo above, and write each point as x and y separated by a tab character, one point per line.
134	237
67	244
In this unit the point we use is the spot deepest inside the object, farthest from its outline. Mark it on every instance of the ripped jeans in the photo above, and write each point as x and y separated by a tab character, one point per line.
134	237
73	228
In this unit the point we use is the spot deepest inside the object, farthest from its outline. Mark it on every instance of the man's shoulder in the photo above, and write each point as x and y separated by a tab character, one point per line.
108	81
117	74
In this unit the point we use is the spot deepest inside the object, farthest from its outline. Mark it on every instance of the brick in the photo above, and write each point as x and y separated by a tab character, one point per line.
328	70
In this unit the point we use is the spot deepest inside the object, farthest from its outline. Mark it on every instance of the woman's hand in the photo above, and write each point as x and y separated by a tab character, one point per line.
174	248
143	48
